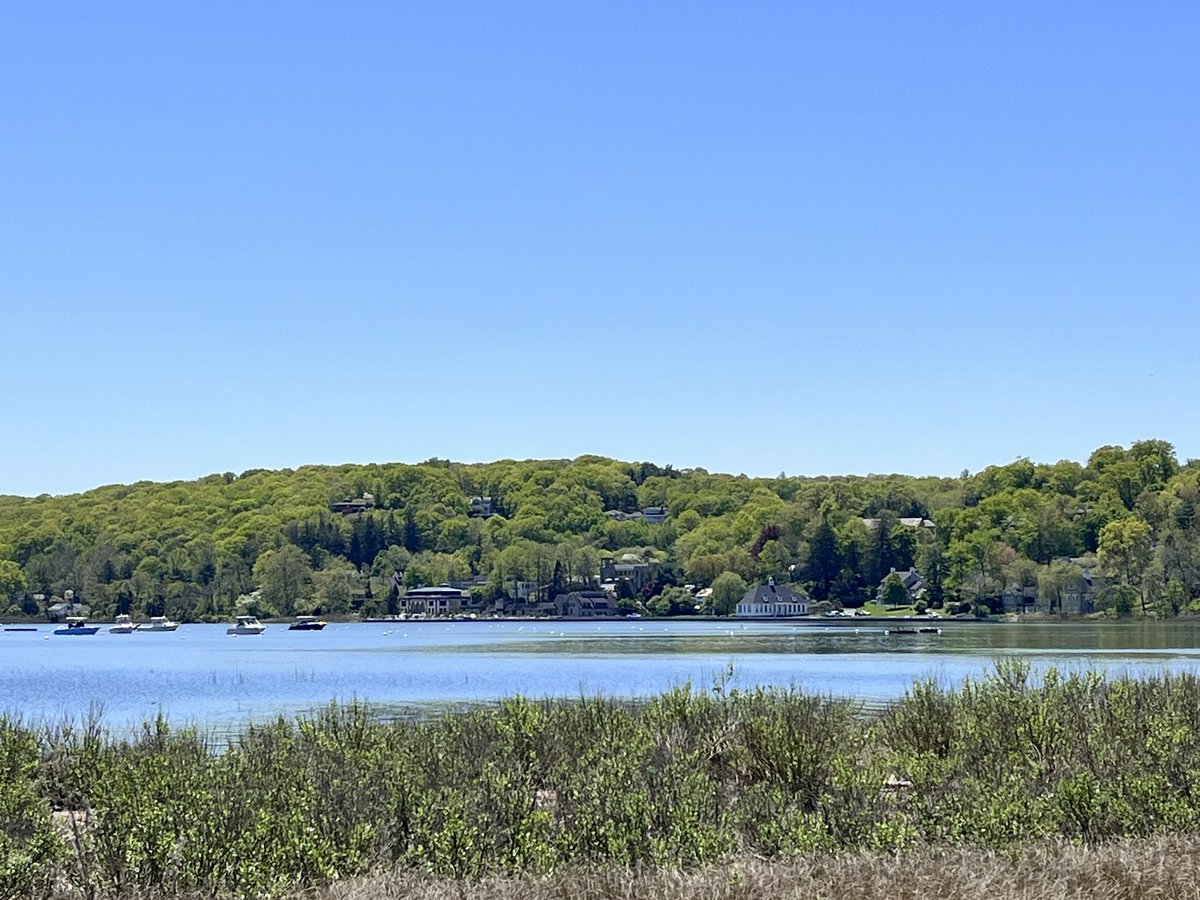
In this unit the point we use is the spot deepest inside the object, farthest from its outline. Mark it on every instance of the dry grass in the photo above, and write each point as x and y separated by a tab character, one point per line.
1160	868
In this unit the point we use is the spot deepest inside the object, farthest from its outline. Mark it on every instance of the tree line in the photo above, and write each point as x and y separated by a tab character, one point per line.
202	549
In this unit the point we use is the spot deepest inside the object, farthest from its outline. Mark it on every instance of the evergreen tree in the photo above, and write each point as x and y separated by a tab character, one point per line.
824	561
558	583
412	537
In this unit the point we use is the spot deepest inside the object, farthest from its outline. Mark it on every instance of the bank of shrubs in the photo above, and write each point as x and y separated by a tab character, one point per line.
535	786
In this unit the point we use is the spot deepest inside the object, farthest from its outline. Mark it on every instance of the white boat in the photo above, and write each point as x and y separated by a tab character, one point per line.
123	625
246	625
158	623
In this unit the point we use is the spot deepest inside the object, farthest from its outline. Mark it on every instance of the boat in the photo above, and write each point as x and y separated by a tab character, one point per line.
158	623
246	625
307	623
76	625
123	625
908	629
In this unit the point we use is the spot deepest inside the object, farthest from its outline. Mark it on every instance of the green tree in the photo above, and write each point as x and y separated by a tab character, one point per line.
893	592
1053	582
881	548
335	586
558	583
824	560
1126	551
284	578
727	589
774	561
13	583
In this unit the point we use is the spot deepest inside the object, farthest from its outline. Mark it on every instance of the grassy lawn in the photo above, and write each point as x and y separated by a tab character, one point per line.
879	609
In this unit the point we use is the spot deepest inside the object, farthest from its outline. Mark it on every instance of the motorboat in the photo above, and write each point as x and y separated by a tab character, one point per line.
246	625
158	623
123	625
307	623
76	625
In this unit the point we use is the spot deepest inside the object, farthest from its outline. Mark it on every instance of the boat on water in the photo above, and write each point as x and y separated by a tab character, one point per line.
158	623
246	625
122	625
307	623
76	625
906	629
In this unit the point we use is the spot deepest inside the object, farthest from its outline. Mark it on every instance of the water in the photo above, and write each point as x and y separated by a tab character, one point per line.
200	675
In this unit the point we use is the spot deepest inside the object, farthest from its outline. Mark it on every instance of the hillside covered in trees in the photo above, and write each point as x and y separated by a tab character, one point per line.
196	549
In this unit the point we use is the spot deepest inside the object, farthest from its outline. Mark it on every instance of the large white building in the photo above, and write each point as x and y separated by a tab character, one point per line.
772	600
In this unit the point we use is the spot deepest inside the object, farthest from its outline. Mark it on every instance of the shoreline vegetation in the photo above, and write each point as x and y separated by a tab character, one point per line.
1116	537
1129	869
1074	783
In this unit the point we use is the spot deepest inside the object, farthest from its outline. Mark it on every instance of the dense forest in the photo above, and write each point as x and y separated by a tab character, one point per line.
277	542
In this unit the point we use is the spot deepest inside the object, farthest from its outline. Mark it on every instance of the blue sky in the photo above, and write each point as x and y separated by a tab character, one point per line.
757	237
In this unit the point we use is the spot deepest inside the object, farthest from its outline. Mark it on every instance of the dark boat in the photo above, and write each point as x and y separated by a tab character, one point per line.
307	623
76	625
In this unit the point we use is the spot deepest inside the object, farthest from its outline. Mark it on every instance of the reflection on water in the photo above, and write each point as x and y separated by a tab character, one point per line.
201	675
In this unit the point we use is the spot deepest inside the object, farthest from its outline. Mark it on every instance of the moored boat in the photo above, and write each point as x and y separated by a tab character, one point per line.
246	625
122	625
307	623
158	623
76	625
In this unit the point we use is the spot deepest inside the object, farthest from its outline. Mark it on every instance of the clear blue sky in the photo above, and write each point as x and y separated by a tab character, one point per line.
756	237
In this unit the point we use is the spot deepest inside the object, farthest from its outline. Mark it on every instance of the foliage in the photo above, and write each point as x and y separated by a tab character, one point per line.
727	589
893	592
191	549
686	779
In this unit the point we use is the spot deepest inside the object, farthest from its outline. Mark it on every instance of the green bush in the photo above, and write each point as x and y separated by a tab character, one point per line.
682	780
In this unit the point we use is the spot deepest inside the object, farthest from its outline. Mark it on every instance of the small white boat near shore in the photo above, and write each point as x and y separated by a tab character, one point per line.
246	625
158	623
122	625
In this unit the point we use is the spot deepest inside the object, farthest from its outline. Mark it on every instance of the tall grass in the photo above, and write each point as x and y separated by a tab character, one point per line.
681	783
1163	867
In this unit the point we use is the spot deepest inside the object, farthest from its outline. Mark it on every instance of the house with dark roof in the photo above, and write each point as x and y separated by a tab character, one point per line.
912	580
1079	595
772	600
617	515
637	572
585	605
66	607
352	505
480	507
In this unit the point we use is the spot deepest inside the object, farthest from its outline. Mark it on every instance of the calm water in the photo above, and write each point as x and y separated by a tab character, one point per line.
200	675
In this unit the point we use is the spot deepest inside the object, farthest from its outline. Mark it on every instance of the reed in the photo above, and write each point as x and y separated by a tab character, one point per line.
1126	870
669	791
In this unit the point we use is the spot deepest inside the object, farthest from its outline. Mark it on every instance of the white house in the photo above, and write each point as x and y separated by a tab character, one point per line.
772	600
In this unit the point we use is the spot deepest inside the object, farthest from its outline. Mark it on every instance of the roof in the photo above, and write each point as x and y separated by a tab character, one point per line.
441	590
909	578
773	593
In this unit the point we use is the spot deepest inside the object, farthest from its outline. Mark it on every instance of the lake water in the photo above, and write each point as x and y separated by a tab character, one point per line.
203	676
